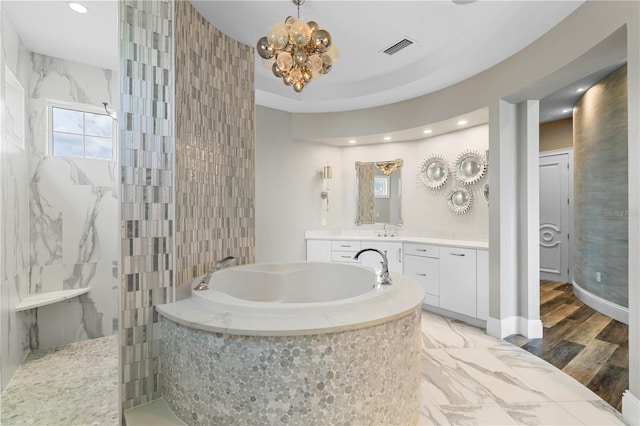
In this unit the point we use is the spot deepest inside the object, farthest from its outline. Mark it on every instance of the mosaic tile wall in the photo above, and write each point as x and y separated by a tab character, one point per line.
368	376
601	205
215	144
147	198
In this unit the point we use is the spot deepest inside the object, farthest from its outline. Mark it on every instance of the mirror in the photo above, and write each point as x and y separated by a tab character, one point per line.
379	192
470	167
459	200
434	172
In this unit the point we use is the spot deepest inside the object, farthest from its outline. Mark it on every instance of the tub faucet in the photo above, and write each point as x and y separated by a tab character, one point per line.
204	282
384	277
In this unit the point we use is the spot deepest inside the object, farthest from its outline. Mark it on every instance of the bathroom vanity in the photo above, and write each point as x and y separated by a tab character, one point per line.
454	274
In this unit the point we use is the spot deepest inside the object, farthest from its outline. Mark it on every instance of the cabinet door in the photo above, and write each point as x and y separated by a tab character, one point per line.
458	280
426	271
319	250
482	285
372	259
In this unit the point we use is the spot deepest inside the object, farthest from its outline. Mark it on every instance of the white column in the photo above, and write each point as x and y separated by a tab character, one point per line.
529	219
502	220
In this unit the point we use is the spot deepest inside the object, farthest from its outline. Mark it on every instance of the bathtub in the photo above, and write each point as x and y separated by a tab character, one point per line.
298	343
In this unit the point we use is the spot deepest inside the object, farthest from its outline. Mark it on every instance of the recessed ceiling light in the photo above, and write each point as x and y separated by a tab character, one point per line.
352	141
462	122
566	110
426	132
387	138
580	89
78	7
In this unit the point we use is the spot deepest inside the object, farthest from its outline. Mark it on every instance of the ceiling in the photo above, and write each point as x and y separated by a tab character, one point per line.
453	40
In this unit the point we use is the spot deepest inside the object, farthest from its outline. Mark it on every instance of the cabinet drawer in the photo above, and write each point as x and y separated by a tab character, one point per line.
425	270
424	250
343	256
346	245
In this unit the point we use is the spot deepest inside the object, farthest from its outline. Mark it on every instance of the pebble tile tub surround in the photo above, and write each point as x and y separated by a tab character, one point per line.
347	377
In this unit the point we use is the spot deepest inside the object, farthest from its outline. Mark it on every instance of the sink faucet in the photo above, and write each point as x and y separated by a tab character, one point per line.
204	282
384	277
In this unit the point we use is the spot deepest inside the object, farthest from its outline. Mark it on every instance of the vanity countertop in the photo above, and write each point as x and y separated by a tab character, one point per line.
320	235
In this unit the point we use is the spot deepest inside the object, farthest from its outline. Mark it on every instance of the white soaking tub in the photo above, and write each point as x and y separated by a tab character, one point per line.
298	343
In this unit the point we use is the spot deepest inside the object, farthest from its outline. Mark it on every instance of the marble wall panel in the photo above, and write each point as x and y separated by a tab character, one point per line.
14	201
601	205
73	210
14	326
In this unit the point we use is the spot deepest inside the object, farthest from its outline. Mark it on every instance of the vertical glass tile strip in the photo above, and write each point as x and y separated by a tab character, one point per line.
215	146
147	212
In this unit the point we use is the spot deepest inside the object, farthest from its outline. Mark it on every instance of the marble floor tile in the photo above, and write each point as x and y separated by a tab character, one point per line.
440	332
595	413
502	382
543	413
467	378
486	414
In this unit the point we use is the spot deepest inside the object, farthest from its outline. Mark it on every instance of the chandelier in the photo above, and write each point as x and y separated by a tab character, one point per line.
297	51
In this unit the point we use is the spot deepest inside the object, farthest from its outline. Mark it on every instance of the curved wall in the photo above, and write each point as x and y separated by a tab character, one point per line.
601	206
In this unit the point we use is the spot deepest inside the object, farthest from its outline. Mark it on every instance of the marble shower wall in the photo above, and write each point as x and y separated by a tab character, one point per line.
215	147
14	200
73	211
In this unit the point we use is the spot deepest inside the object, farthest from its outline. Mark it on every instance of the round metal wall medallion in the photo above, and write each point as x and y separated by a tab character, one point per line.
434	171
459	200
470	167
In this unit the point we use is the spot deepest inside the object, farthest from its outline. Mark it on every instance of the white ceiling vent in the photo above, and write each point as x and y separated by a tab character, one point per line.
398	46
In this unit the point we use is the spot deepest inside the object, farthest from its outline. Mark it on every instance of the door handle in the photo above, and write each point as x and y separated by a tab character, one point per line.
400	255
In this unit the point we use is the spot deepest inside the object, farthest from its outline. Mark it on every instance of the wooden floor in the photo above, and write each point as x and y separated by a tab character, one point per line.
591	347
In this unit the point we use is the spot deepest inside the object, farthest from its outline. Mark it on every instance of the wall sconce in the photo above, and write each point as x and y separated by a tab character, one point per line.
326	177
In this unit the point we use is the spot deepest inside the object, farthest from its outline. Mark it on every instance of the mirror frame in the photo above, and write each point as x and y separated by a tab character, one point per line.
467	156
424	175
387	168
456	208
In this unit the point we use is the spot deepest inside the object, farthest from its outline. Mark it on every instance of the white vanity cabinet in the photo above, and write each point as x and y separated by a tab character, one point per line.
394	255
454	278
458	280
344	251
422	263
319	250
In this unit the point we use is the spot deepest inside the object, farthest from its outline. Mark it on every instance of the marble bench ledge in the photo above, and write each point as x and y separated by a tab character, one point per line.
43	299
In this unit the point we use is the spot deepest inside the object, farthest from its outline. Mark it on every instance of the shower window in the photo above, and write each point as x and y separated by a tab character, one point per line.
81	131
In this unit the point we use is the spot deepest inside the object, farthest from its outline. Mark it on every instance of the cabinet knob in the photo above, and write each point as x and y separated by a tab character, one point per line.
420	274
421	249
456	254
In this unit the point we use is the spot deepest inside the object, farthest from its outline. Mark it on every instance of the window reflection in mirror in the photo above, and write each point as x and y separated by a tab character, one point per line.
379	192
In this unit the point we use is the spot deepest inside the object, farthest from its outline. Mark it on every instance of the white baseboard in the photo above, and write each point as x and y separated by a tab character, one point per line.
630	408
610	309
531	329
